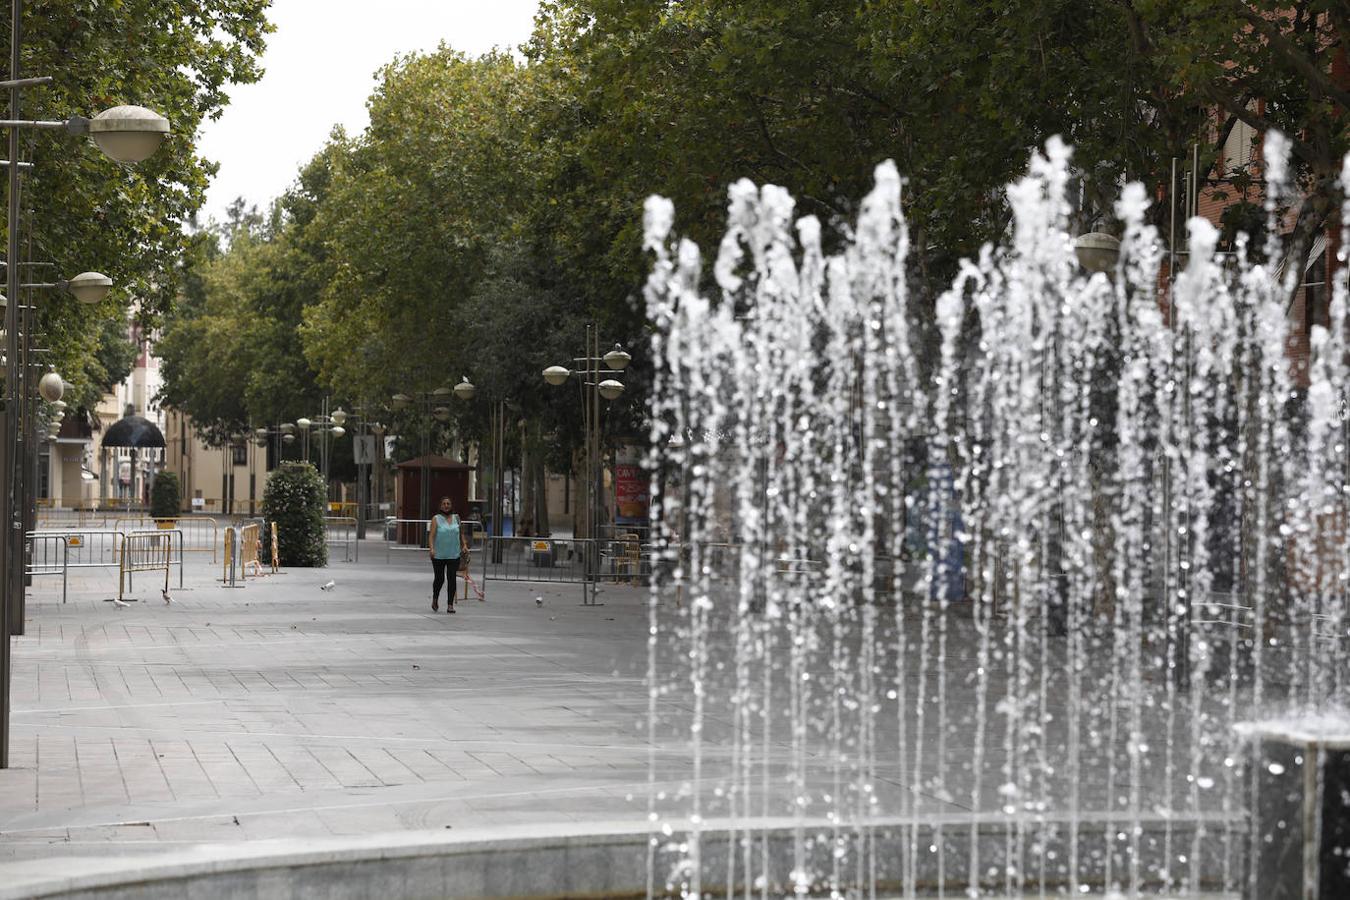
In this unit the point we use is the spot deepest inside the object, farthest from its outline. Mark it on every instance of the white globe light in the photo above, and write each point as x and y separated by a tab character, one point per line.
338	431
288	438
51	387
303	424
339	416
1097	251
556	375
400	401
441	413
128	134
618	358
89	287
465	389
611	389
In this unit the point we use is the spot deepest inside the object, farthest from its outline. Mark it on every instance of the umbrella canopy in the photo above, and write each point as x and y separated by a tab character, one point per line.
133	431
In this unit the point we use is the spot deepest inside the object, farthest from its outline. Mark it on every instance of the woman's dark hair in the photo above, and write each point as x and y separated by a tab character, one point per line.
445	500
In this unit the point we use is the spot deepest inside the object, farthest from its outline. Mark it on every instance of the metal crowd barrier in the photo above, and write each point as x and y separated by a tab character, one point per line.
411	534
341	531
146	551
201	534
51	560
89	548
249	546
79	518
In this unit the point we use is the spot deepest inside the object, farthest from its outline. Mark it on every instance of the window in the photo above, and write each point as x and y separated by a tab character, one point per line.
240	454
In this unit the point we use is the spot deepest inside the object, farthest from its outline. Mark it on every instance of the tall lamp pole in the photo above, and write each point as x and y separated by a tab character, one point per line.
128	134
592	371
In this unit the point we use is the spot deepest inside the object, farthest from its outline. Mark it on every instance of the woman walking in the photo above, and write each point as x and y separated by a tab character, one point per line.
447	545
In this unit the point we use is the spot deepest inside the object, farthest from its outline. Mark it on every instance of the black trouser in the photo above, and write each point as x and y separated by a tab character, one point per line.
439	568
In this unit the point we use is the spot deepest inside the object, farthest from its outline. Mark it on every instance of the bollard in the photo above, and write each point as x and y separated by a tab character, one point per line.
1301	808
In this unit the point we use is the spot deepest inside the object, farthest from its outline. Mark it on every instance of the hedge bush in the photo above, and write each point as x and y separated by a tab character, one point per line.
294	499
165	499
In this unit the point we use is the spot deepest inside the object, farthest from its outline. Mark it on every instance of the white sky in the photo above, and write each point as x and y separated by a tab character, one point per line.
319	69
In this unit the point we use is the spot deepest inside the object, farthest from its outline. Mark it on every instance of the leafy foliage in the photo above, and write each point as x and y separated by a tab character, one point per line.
294	499
493	206
85	212
165	496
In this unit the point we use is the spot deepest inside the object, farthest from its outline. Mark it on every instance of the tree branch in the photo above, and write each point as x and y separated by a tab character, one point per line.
1301	149
1293	54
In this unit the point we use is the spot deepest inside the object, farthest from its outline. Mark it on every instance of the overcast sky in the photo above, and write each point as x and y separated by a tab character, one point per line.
320	65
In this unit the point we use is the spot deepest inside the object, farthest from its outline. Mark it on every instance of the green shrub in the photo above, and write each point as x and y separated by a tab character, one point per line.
294	499
165	501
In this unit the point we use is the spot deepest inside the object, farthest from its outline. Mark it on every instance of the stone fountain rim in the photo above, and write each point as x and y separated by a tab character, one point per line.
83	874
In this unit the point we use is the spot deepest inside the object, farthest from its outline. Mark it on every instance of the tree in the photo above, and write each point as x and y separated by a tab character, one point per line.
84	212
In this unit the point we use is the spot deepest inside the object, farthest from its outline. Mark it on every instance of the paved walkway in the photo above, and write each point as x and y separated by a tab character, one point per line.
280	710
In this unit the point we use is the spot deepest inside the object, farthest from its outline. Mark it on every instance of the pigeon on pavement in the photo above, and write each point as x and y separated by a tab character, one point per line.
120	605
328	587
538	601
167	598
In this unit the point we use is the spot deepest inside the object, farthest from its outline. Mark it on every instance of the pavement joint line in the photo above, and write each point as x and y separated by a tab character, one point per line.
634	787
69	709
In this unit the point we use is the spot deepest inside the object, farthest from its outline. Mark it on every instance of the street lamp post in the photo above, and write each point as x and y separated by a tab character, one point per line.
592	371
128	134
323	424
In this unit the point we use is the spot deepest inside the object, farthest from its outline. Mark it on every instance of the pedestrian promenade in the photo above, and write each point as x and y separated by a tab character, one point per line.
280	710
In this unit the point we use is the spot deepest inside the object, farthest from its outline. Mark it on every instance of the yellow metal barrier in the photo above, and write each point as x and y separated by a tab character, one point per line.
250	542
229	555
144	551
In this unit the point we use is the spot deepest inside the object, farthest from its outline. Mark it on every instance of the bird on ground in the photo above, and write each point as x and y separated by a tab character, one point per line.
120	605
167	598
538	601
328	587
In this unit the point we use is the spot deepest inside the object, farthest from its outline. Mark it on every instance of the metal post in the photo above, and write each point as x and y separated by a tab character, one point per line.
361	490
7	556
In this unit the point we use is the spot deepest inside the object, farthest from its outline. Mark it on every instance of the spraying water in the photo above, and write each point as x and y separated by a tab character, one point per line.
972	606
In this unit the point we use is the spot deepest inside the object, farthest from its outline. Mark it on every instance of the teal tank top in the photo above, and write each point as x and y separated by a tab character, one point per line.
447	537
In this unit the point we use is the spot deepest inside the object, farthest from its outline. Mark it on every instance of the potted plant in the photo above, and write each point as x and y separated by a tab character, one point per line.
165	502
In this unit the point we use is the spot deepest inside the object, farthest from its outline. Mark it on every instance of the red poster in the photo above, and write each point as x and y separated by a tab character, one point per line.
631	489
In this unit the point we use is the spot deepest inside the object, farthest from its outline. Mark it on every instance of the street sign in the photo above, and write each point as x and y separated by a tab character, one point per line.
363	448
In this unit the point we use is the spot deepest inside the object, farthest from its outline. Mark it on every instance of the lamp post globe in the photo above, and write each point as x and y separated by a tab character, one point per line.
556	375
1097	251
618	358
89	287
441	392
465	389
128	134
400	402
339	416
303	424
611	389
288	438
288	428
51	387
338	431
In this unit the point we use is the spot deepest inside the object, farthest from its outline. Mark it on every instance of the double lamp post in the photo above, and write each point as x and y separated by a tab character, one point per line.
127	134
